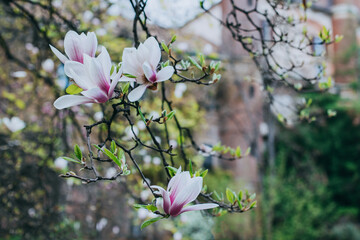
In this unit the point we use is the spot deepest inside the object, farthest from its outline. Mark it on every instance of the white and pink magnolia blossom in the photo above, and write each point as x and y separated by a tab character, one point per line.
182	189
93	76
76	46
142	63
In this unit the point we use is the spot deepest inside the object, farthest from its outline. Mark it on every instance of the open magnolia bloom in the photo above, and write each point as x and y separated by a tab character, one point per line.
142	63
93	77
76	46
181	190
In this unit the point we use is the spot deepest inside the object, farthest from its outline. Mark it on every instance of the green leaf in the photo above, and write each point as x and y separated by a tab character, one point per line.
112	156
138	206
141	115
77	152
193	62
73	89
230	195
253	196
202	60
203	173
172	170
129	75
125	89
112	69
173	39
71	160
238	152
97	147
248	150
252	205
151	208
191	168
170	115
121	156
113	146
150	221
166	49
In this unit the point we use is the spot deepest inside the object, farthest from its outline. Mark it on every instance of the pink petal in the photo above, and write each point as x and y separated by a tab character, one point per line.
137	93
90	44
177	183
104	59
73	46
149	72
61	56
154	51
96	73
112	87
187	194
164	74
198	207
77	71
96	94
166	199
71	100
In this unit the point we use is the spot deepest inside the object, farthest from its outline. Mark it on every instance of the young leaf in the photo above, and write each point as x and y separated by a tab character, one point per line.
172	170
77	152
230	195
73	89
203	173
193	62
113	146
151	208
150	221
166	49
125	89
138	206
252	205
173	39
97	147
71	160
170	115
129	75
190	168
112	156
141	115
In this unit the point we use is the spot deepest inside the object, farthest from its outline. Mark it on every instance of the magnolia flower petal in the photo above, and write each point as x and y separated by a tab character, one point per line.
187	194
127	79
105	60
73	46
147	70
97	94
96	73
143	54
90	44
137	93
61	56
112	87
198	207
71	100
164	74
78	72
154	51
177	183
166	199
130	63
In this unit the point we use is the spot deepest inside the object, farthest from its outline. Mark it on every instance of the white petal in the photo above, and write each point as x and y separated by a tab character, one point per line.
73	47
154	51
137	93
147	70
96	73
96	94
61	56
71	100
90	44
127	79
105	61
142	54
166	200
77	71
112	87
130	63
164	74
199	207
189	193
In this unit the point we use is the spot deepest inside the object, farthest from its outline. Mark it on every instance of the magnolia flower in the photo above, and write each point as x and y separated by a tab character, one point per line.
181	190
76	46
93	77
142	63
14	124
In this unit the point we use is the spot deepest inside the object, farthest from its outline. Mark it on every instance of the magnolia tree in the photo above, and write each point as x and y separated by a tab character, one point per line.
129	89
97	79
